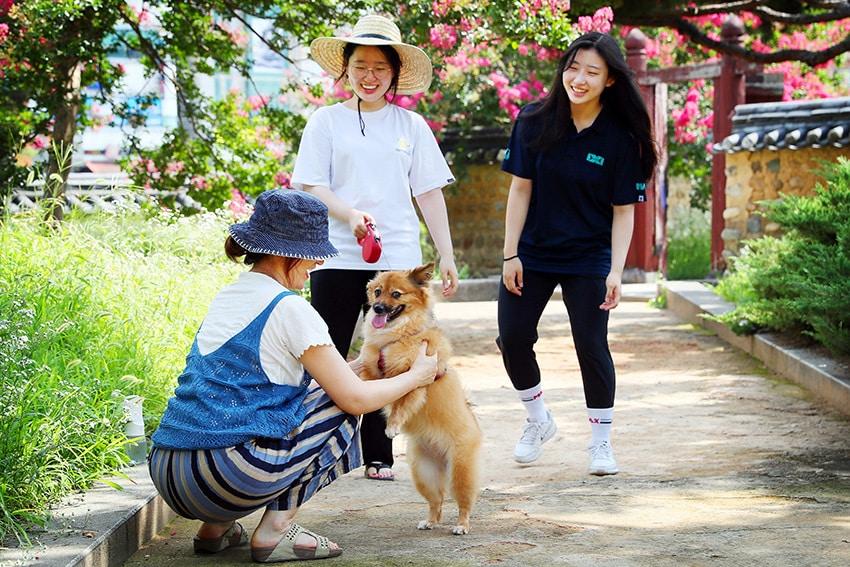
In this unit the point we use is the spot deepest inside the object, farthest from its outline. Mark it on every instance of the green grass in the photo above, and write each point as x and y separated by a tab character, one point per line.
103	307
689	248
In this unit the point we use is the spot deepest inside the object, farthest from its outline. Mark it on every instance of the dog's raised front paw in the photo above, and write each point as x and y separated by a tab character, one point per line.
391	431
460	530
424	525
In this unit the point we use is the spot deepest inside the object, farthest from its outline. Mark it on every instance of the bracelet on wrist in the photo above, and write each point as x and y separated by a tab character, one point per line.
510	258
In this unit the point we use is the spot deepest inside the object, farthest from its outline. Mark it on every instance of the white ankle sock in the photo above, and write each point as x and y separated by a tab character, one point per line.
532	399
600	424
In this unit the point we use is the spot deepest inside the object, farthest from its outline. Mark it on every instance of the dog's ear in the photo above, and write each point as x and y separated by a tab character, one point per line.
422	275
370	289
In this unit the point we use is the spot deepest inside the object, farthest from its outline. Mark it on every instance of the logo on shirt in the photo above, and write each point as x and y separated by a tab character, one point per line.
641	198
507	154
403	144
640	186
595	159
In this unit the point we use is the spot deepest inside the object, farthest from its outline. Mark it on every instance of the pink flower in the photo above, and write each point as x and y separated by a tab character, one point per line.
499	80
522	49
150	166
408	102
282	179
436	126
311	98
238	206
4	32
441	7
559	6
277	150
144	16
200	183
174	167
443	36
600	21
40	142
256	102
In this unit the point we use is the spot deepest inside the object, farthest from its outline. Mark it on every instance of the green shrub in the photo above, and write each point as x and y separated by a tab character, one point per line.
800	281
102	307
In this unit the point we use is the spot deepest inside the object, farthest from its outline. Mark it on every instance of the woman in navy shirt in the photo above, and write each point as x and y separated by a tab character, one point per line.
580	159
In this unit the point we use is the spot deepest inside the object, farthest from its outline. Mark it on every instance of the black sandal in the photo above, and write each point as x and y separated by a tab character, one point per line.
378	466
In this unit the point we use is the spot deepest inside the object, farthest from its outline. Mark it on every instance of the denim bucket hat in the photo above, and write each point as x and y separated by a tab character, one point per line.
286	222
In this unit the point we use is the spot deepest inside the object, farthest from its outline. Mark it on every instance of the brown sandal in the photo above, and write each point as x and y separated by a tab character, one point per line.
230	538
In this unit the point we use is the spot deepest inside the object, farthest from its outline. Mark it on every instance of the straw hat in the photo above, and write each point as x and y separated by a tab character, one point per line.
416	71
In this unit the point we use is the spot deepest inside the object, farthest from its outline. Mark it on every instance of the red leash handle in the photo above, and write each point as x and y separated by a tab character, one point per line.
371	244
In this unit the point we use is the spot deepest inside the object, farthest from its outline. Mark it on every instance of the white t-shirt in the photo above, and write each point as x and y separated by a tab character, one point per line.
292	328
376	173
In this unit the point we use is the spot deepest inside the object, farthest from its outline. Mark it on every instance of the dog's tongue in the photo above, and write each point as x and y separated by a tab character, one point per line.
379	320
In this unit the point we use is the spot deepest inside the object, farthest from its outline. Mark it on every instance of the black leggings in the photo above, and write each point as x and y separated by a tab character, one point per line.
520	315
340	297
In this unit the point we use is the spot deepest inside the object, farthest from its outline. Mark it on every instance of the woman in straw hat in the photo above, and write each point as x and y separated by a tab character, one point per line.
264	415
365	158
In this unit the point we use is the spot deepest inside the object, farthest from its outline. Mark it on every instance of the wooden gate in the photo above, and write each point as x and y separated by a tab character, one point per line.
731	88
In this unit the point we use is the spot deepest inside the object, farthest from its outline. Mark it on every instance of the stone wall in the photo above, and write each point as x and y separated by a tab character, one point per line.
762	175
476	206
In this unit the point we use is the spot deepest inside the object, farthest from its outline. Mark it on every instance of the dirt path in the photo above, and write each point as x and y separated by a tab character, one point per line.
722	464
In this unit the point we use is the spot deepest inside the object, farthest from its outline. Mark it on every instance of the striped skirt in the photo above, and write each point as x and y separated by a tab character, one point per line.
220	485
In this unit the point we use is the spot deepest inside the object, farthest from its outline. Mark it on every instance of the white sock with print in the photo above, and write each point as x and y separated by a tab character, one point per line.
532	399
600	424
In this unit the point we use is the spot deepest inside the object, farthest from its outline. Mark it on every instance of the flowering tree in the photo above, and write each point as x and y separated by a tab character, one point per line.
805	47
490	56
51	49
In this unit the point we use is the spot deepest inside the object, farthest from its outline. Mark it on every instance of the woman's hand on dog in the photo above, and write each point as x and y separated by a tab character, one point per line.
512	275
424	368
357	365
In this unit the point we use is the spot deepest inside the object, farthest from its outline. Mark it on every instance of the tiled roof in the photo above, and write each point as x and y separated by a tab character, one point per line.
789	125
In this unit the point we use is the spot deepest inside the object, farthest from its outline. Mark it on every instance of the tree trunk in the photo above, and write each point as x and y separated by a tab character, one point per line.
64	129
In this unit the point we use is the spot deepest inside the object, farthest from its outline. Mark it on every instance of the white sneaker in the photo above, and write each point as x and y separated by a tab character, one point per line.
534	434
602	459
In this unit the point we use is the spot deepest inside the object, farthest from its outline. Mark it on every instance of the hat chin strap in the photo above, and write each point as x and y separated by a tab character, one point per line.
360	115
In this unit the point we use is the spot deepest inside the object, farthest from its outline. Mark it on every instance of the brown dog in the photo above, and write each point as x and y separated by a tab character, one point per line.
444	437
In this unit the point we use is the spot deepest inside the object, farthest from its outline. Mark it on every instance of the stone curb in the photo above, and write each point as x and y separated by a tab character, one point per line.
104	526
826	378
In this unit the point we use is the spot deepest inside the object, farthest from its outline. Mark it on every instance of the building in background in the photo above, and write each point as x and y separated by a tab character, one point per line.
99	146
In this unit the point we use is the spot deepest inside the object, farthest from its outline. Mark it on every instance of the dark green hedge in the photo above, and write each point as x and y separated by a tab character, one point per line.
799	282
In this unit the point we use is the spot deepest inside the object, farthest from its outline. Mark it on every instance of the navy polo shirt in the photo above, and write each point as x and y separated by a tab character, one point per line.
574	185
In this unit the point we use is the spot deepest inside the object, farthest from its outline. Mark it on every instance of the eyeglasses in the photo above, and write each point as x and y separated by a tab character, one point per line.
380	71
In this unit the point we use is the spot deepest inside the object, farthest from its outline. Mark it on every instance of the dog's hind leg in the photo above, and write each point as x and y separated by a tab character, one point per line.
464	487
429	477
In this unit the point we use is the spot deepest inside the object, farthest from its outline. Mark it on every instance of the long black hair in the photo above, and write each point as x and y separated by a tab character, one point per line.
395	63
622	98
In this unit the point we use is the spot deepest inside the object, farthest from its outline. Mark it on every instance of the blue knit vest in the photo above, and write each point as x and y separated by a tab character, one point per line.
224	398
